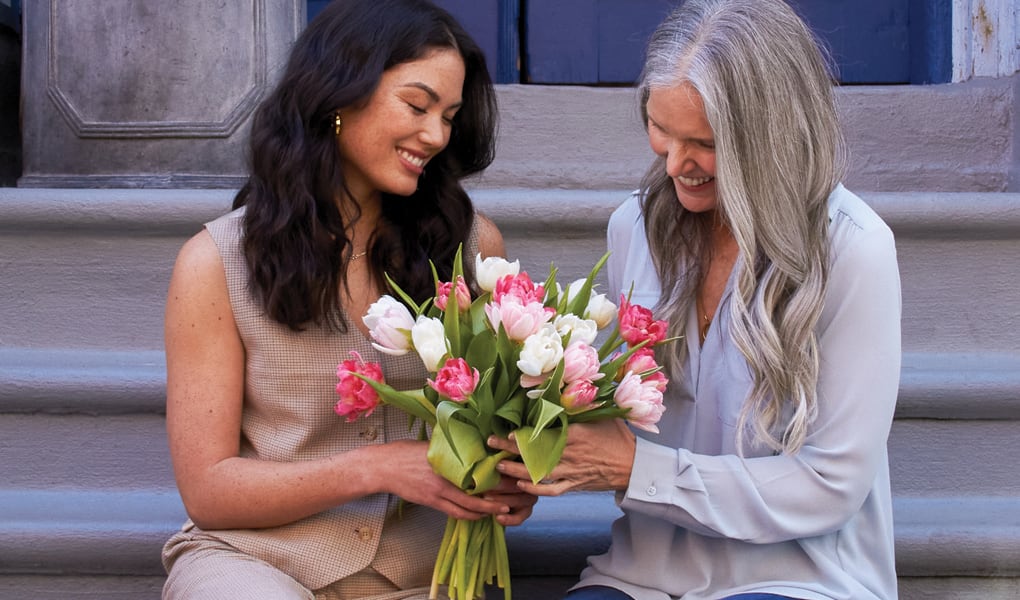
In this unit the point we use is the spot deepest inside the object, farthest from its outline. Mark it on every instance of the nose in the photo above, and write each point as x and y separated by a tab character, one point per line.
676	159
435	132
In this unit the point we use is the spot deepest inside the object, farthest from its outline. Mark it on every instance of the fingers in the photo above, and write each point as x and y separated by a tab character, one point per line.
478	505
517	515
546	487
513	469
499	443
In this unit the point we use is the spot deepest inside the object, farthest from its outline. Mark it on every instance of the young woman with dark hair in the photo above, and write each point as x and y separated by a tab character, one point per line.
356	162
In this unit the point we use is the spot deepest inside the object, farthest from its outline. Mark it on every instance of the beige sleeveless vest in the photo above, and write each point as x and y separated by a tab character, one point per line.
290	380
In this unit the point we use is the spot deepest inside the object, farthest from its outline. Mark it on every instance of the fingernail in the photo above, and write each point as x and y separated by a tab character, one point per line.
491	441
500	467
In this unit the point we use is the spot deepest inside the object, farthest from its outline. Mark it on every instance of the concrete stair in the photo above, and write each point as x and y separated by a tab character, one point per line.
87	495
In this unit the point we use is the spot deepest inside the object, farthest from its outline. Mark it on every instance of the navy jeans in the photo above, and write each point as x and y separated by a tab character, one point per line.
598	592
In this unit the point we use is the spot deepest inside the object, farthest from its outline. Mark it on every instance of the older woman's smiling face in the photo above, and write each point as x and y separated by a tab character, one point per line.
678	131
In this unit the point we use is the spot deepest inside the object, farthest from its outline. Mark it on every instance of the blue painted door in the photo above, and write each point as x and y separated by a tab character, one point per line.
871	41
601	42
492	23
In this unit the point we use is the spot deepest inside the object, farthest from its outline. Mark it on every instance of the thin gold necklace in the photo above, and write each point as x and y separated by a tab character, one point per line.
359	255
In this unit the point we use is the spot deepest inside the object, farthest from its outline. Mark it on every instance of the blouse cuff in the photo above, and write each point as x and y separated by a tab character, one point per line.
661	475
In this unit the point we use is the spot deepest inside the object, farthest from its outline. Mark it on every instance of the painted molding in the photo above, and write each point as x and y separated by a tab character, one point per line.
986	38
74	108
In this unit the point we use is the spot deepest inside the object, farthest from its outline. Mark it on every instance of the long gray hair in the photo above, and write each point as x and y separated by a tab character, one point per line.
768	96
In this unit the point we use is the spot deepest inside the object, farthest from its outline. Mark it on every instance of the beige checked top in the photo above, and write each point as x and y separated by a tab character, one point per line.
290	381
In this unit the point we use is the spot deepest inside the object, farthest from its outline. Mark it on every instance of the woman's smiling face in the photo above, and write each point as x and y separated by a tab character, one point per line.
386	144
678	131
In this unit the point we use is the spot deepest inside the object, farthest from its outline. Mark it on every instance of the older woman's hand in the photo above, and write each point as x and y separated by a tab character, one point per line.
598	456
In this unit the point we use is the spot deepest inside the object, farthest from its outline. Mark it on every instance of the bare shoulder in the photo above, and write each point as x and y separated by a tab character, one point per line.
490	239
199	260
198	281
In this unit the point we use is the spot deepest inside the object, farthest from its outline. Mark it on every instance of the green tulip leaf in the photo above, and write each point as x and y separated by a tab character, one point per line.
541	451
413	402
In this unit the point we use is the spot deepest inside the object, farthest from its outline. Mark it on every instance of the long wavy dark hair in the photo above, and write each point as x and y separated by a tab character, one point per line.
295	243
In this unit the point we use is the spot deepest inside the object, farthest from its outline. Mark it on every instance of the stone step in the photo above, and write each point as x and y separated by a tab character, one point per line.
88	496
106	409
52	534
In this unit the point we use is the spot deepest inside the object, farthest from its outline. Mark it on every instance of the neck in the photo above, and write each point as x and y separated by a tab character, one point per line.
720	237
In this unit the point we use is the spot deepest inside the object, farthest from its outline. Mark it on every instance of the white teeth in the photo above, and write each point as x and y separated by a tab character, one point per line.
693	182
414	160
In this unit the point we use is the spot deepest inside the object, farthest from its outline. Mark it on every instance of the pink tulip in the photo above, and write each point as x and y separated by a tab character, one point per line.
578	396
462	294
580	362
357	397
519	320
644	402
533	381
456	380
637	324
520	288
642	361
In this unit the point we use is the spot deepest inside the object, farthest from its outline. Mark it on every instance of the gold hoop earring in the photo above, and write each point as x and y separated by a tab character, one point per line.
338	124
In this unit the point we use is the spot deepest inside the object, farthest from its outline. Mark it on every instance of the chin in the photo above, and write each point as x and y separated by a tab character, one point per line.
403	189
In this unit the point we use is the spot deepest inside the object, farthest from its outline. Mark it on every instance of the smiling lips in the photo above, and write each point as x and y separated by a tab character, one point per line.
416	161
694	182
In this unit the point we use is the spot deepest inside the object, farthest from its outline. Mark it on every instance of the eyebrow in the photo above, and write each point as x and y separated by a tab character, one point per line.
428	90
693	139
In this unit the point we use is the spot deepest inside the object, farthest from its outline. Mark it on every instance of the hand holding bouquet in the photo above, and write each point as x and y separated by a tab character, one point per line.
518	358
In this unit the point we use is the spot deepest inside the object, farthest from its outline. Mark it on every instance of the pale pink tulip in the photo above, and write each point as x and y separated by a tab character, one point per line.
462	294
578	396
389	323
644	402
519	320
643	361
580	362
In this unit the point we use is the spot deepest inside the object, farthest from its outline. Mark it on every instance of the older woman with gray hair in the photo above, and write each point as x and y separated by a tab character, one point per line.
769	477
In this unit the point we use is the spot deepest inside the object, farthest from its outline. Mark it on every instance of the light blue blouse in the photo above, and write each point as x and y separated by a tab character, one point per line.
699	522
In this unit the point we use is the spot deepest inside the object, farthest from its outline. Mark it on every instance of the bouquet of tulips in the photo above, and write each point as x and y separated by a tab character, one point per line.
520	358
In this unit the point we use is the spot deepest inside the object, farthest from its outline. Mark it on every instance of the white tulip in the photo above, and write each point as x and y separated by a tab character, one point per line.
429	337
541	351
574	288
492	269
600	310
580	330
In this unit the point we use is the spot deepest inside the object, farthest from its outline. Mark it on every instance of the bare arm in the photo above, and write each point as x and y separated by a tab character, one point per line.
205	383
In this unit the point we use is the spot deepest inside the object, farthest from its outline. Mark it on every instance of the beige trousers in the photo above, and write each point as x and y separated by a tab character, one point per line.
200	567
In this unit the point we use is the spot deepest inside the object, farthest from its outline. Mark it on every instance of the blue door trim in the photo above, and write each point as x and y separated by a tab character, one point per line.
11	15
931	41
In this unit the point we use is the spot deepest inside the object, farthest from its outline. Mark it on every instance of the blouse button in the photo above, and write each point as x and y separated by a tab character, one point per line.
651	490
370	434
364	533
